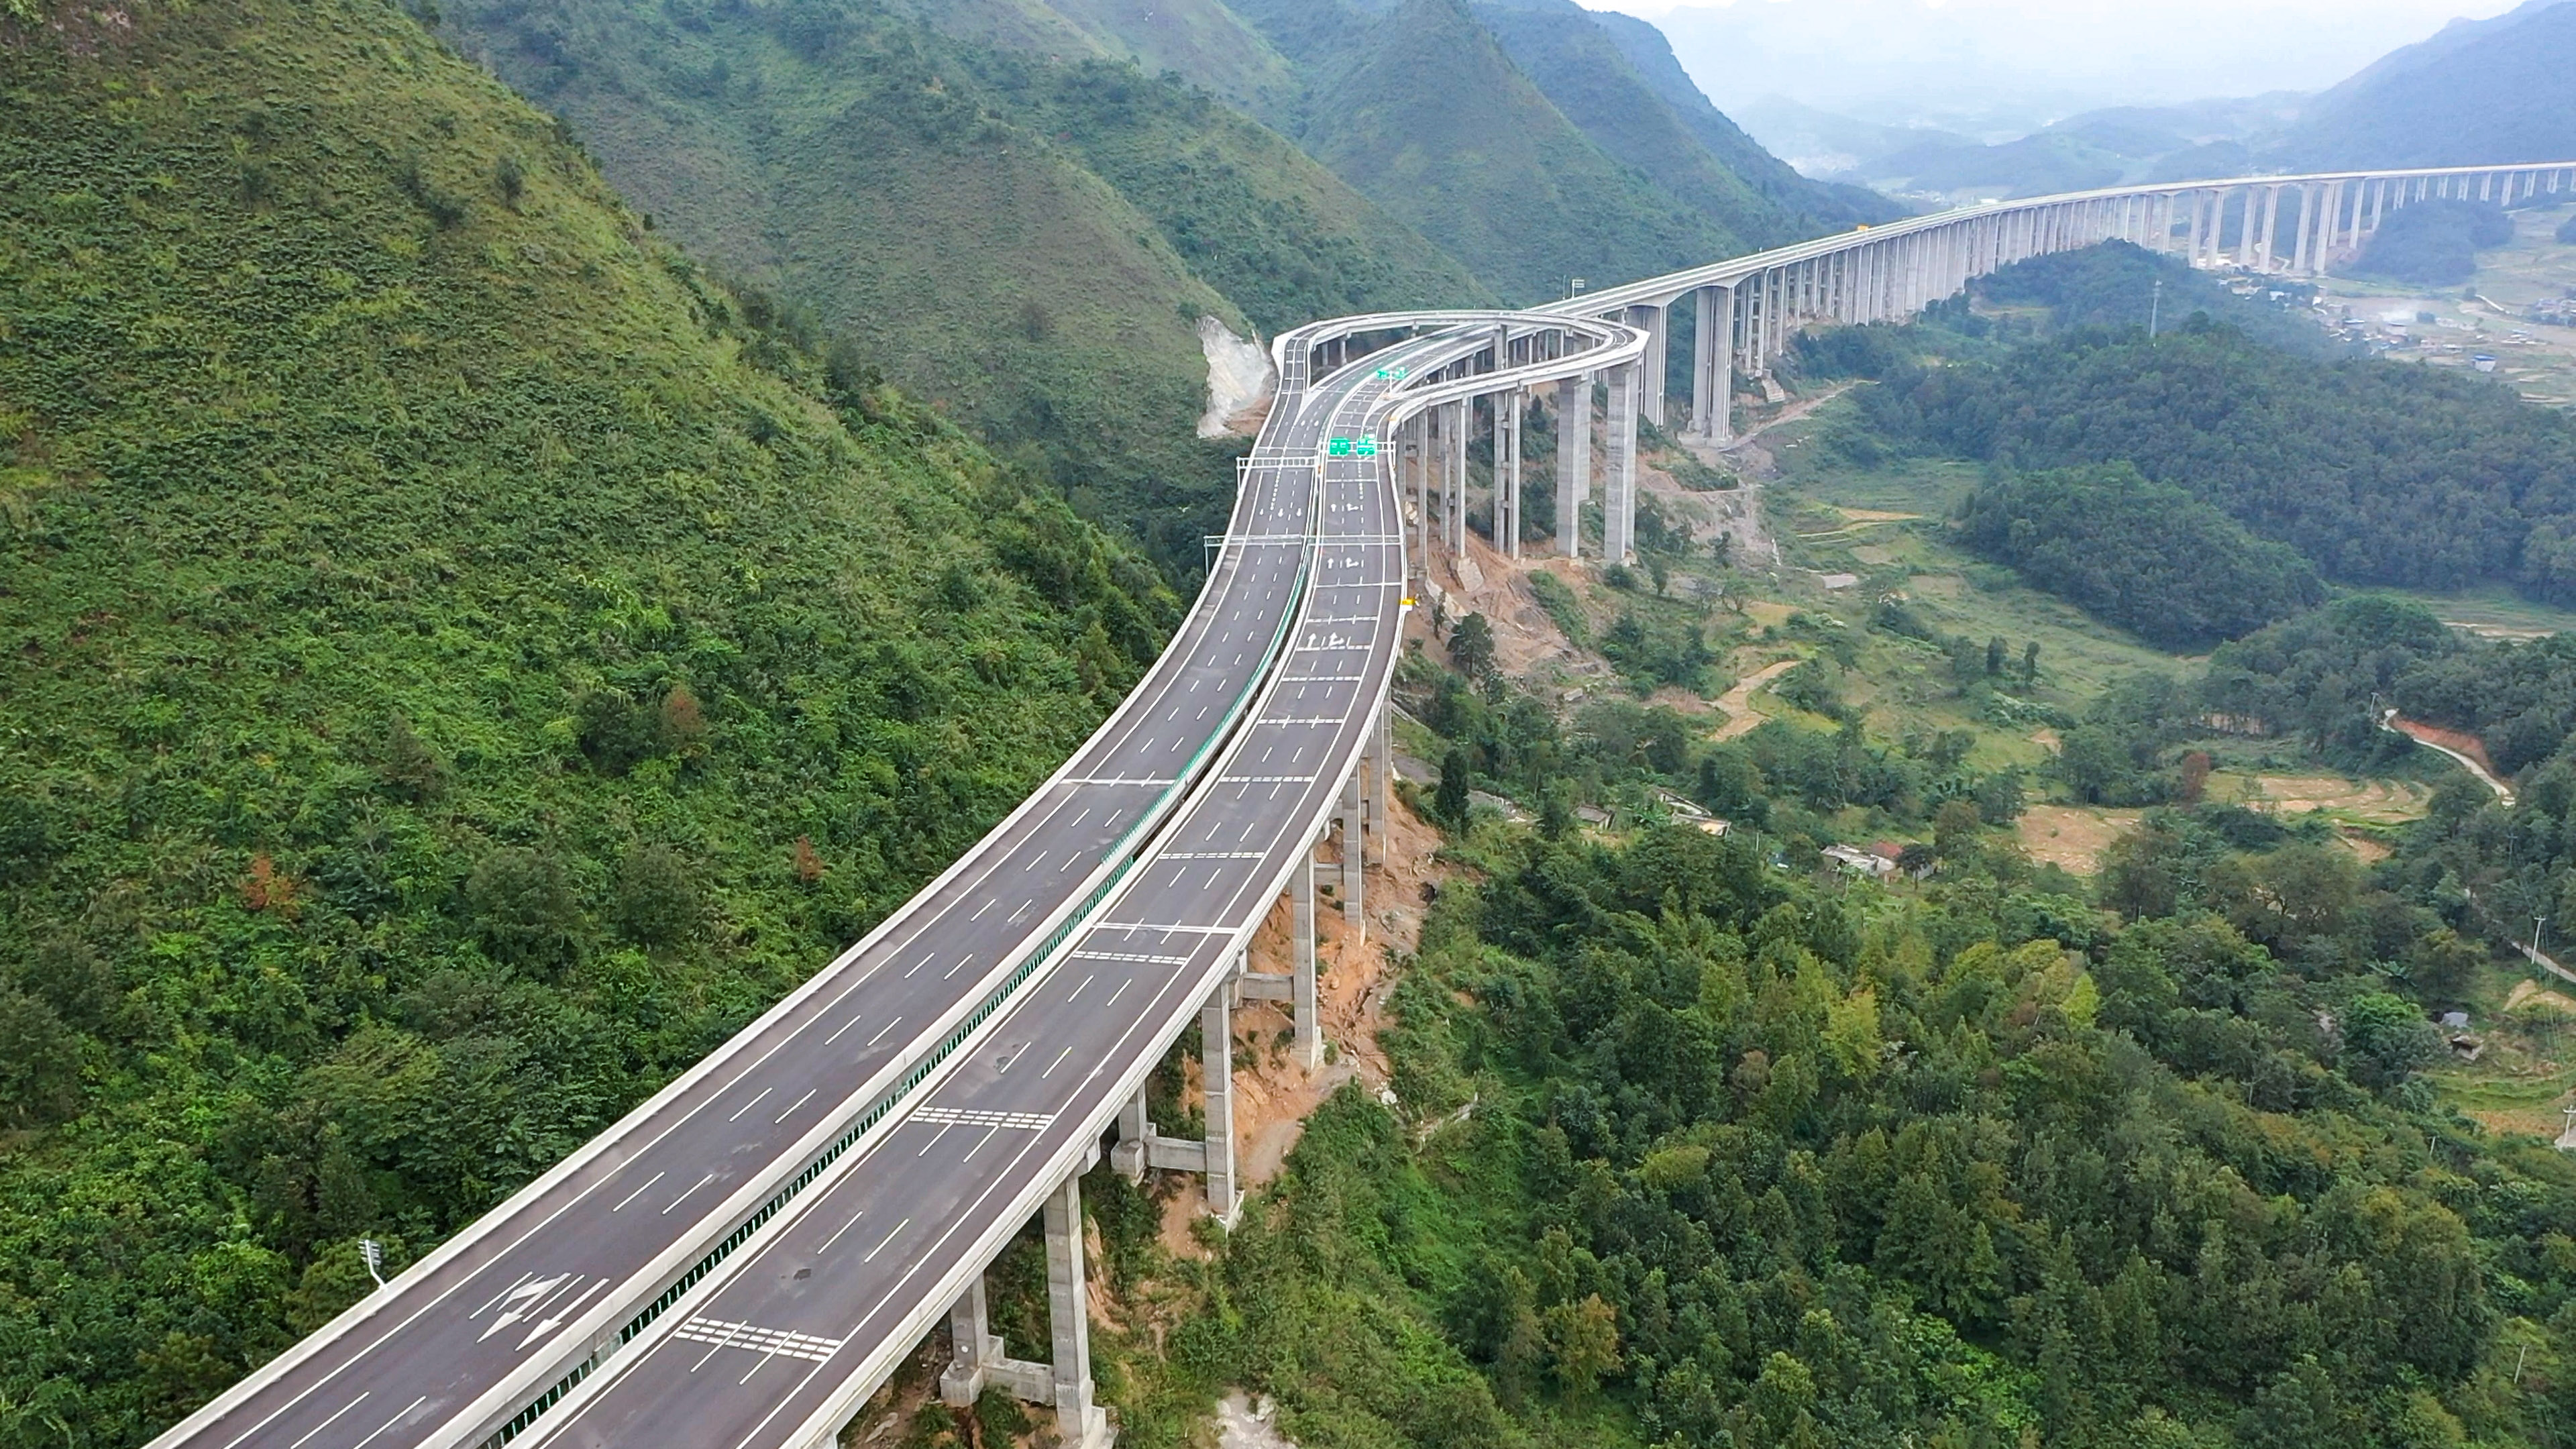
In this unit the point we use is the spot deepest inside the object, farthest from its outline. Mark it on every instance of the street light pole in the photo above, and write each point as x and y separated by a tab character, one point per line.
2535	935
2155	304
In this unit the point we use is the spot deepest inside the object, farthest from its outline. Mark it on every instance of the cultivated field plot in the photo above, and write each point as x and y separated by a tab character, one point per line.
2485	316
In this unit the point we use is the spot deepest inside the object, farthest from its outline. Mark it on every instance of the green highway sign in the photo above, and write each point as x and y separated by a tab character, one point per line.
1367	446
1338	448
1390	374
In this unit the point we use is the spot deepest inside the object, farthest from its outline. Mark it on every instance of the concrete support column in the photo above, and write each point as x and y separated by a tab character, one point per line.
1435	476
1381	783
1079	1422
1305	1013
2307	228
1353	878
1713	366
2271	227
1619	498
1454	496
1573	461
1301	922
1507	473
976	1348
1657	324
1131	1156
1216	1083
1417	485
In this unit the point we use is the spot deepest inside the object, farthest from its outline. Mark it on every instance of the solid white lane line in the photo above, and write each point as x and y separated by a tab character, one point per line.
389	1423
693	1187
792	1106
327	1423
881	1247
889	1026
621	1202
747	1106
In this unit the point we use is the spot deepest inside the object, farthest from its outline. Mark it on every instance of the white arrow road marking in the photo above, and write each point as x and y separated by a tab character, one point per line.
554	1320
521	1299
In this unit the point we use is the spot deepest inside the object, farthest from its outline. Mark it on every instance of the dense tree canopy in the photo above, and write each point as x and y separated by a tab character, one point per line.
2434	243
2377	473
2149	557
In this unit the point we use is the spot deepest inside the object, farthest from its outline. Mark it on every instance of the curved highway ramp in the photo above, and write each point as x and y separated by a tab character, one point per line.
746	1256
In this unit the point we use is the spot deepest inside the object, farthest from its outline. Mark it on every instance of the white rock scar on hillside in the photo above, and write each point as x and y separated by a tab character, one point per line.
1239	377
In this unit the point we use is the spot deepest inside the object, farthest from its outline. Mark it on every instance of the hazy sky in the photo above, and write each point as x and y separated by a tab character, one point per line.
2046	55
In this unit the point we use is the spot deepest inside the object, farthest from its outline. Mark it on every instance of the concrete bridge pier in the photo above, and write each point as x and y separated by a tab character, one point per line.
1507	473
1454	494
1713	365
1619	495
979	1360
1573	461
1654	322
1347	821
1381	768
1212	1155
1413	483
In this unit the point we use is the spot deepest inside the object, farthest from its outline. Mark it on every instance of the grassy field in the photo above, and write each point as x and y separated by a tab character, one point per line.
1884	525
2495	613
2526	1072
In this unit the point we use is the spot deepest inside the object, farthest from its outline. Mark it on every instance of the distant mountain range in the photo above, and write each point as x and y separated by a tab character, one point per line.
2499	89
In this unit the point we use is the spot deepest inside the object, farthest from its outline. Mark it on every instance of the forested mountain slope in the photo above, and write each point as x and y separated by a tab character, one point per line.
1201	41
1029	243
1616	78
1422	110
2493	92
456	666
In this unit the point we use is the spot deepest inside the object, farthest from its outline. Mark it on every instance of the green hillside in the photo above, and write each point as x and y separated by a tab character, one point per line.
1616	78
1421	108
2495	91
1253	216
1028	243
456	666
1201	41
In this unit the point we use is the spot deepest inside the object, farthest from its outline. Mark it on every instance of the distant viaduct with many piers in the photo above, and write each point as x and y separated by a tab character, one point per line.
743	1259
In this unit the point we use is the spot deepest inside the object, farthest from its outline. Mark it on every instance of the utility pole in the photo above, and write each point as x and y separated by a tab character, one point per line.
2155	304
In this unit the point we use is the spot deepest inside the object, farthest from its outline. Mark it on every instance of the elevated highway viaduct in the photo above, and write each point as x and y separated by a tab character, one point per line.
745	1256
